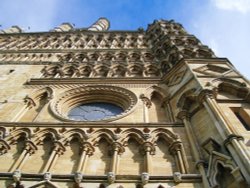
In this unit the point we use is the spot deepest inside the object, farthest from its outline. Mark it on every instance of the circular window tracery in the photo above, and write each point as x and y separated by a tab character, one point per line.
94	111
93	103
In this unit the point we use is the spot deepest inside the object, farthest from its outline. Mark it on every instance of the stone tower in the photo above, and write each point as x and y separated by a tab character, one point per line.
92	108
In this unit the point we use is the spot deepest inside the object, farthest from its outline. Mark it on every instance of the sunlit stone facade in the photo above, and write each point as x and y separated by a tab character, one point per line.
93	108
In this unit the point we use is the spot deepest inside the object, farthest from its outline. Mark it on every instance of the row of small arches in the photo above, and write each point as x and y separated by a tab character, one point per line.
102	70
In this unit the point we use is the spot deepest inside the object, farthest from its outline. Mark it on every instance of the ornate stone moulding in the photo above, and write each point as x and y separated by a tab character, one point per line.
61	105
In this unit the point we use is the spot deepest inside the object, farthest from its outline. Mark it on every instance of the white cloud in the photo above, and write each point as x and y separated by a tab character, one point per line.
212	43
242	6
226	32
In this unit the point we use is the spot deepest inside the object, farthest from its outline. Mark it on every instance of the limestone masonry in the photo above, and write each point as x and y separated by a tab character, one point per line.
93	108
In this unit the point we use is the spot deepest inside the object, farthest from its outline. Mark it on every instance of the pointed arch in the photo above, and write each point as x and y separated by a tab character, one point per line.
74	133
24	132
36	102
165	134
37	95
218	159
48	132
132	133
162	92
107	134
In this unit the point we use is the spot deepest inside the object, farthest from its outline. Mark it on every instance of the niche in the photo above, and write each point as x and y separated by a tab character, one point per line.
33	112
69	159
8	159
131	162
157	113
37	161
99	163
164	162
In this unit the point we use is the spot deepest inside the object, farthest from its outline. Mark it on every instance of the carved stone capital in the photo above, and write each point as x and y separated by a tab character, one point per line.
204	94
30	147
148	147
232	137
146	101
175	146
183	114
59	148
116	146
201	163
29	102
86	146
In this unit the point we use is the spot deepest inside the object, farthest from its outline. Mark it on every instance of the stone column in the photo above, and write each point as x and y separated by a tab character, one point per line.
232	141
184	115
57	151
29	103
117	149
176	150
147	104
148	149
44	107
29	149
87	150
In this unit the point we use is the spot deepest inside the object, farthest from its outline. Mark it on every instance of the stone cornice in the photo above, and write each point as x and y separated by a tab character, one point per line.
89	124
100	178
57	81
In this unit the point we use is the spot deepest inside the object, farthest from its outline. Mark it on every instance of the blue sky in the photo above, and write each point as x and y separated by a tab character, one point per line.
223	25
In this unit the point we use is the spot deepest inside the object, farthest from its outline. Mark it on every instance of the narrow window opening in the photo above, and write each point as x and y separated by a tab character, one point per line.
243	117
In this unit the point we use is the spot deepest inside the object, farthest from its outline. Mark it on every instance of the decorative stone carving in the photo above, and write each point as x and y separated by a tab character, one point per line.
177	78
176	44
144	178
111	177
146	100
4	147
78	177
17	176
29	102
227	162
47	176
177	177
148	147
213	70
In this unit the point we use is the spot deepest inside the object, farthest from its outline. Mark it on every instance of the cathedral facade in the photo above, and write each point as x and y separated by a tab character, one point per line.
93	108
